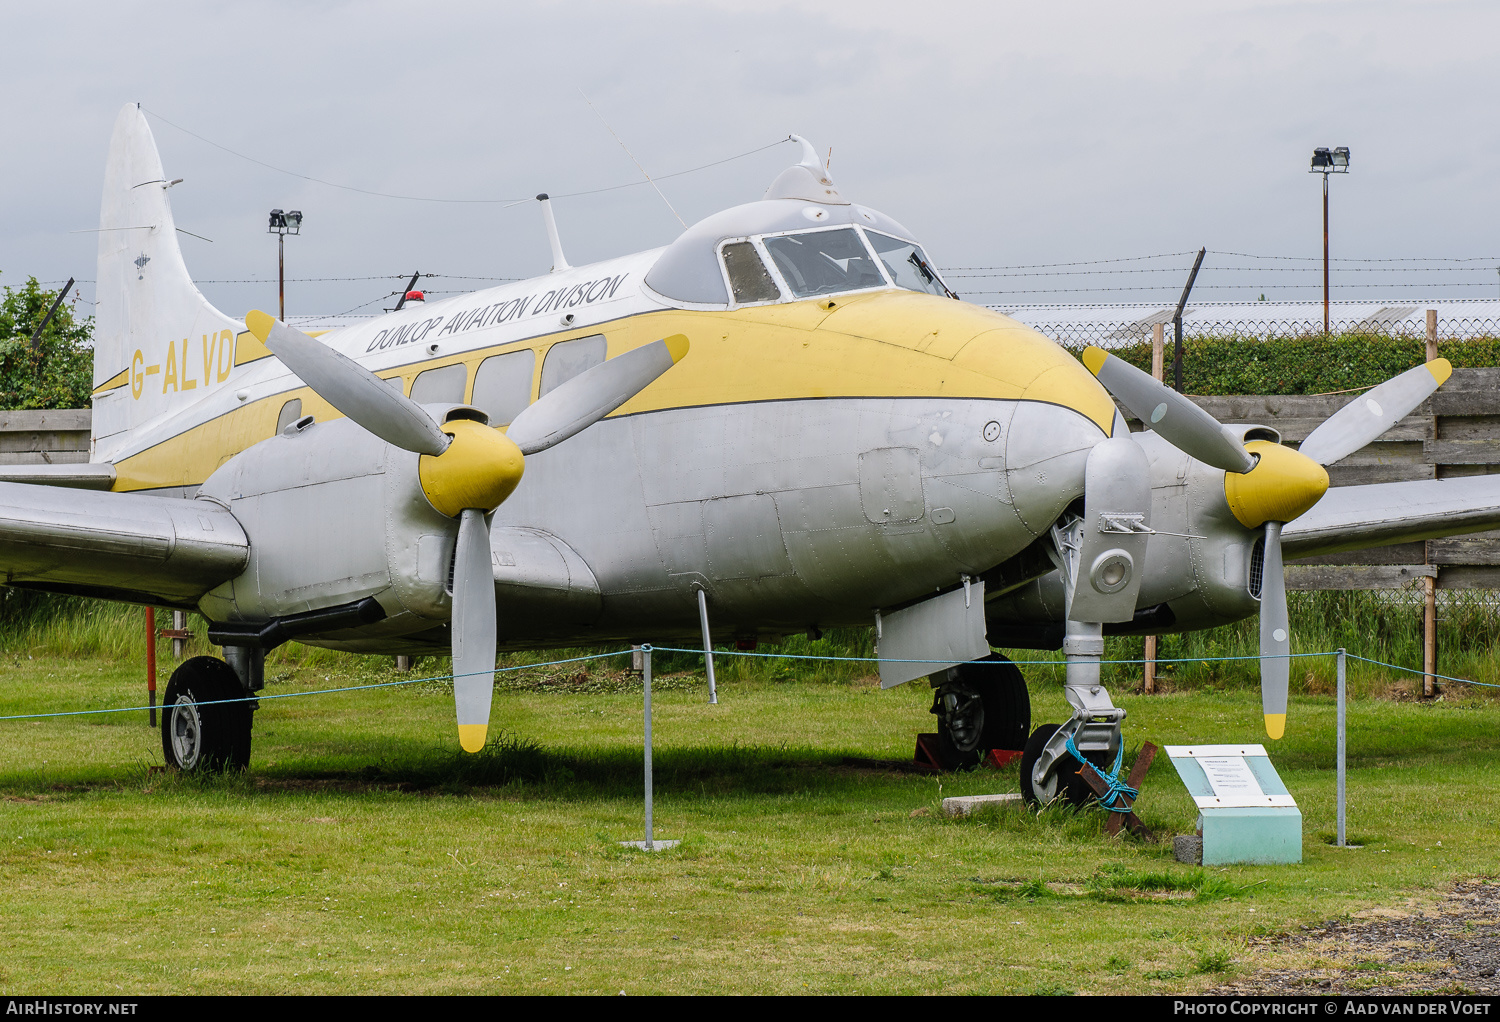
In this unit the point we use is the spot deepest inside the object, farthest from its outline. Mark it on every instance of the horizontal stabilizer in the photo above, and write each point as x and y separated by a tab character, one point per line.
92	476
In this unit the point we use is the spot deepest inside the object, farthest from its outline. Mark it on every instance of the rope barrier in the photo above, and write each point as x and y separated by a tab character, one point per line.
1049	663
326	691
1116	787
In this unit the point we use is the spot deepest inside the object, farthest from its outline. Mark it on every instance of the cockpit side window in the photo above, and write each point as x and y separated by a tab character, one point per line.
749	279
907	264
822	262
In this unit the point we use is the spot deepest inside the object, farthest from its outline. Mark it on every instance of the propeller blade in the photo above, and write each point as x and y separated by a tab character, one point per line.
473	630
350	387
1176	419
1275	635
1373	412
590	396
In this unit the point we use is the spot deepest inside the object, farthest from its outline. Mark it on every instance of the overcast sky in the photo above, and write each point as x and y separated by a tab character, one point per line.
1001	133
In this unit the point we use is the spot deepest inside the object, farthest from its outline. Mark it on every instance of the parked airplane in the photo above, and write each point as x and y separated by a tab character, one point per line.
846	443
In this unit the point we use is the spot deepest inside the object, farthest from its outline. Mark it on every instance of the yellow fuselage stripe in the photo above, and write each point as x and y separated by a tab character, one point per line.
880	345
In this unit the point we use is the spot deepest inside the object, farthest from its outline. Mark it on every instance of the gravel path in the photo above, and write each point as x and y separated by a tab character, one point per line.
1453	947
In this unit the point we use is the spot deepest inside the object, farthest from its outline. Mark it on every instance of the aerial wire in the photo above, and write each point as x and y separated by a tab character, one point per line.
503	203
632	157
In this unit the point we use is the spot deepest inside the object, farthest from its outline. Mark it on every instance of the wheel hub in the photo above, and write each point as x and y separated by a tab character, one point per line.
187	732
960	710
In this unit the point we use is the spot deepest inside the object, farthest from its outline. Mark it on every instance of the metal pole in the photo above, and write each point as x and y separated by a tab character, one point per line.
1177	322
1341	771
708	647
151	661
281	273
179	625
410	284
1429	636
646	674
36	338
1325	259
1158	368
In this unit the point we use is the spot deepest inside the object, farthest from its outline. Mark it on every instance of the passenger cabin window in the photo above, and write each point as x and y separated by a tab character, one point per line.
440	385
502	385
748	277
907	264
822	262
566	359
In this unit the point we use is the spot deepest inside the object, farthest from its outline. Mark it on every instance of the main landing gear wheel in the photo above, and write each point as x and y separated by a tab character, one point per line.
985	707
195	737
1064	781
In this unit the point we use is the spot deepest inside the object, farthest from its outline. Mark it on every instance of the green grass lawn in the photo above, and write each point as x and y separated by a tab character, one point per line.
363	853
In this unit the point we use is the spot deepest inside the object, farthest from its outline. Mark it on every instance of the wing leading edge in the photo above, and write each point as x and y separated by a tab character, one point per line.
121	546
1355	517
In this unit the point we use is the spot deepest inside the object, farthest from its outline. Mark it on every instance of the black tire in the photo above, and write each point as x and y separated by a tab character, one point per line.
196	737
1070	785
1032	753
1007	703
985	707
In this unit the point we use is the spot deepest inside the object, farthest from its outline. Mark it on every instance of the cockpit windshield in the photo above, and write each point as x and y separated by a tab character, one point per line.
822	262
907	264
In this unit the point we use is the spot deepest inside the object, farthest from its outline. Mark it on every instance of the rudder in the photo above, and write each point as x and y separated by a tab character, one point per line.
159	346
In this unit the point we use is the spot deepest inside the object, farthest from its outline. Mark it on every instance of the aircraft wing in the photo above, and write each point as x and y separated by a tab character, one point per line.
126	546
1354	517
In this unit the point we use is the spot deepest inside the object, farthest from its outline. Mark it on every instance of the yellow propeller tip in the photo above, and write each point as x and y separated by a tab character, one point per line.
260	324
677	346
1441	369
472	736
1094	359
1275	725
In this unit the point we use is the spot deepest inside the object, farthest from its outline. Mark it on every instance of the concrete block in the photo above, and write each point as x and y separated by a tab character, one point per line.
964	805
1188	848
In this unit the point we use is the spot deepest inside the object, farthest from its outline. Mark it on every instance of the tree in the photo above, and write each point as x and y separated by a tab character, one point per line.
59	373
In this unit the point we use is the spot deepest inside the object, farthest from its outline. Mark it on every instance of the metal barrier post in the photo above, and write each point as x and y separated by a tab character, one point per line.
646	674
1342	806
151	662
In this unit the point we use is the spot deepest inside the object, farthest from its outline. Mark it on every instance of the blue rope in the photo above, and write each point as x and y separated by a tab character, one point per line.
1044	663
1118	789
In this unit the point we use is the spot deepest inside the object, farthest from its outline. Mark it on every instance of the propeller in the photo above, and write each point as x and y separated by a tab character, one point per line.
467	469
1266	484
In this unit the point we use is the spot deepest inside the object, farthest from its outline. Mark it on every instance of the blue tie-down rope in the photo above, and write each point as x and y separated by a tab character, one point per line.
1118	789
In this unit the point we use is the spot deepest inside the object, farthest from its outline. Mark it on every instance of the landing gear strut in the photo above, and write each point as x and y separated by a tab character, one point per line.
199	732
1049	770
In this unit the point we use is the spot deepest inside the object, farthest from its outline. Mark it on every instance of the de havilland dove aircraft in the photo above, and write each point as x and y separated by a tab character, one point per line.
782	421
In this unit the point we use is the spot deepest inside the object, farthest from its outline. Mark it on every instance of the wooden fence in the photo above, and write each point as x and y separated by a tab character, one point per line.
45	437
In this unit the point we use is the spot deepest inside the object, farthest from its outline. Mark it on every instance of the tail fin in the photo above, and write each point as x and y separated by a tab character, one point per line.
158	345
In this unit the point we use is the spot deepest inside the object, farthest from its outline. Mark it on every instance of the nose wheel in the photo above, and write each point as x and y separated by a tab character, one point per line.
1062	781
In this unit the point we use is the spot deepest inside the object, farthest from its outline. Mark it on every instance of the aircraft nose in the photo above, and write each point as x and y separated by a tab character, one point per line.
1046	455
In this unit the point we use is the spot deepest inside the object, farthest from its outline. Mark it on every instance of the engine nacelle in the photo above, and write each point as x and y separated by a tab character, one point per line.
1201	564
334	515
